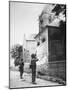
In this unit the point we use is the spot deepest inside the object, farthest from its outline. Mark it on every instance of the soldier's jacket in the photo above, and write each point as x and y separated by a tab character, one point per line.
21	67
33	64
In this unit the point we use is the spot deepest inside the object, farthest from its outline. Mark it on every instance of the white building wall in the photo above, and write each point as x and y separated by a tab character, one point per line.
31	46
42	49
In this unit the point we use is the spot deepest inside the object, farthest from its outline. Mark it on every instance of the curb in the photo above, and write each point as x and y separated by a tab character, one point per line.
53	79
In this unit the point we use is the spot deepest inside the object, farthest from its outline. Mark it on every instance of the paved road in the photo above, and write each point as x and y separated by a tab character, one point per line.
16	82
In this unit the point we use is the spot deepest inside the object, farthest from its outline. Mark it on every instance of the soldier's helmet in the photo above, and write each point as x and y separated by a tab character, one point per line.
32	56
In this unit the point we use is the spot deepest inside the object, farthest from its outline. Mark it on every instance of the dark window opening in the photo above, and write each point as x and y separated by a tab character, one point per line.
43	40
38	43
41	21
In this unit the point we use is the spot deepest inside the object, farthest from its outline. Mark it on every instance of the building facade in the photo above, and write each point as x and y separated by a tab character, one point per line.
42	46
51	43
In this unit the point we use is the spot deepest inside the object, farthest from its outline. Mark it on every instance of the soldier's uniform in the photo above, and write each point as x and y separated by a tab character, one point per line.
33	67
21	69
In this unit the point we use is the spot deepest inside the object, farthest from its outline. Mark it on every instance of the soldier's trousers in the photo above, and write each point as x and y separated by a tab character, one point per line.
33	76
21	73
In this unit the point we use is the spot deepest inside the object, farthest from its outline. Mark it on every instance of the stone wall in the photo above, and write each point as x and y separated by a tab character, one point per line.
42	48
57	69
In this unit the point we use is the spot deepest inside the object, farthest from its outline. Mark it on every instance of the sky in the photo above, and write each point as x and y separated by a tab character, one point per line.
23	20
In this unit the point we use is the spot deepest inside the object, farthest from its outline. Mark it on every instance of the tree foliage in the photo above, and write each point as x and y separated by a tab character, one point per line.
17	54
59	8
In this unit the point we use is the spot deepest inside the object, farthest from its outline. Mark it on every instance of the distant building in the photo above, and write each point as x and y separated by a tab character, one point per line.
29	46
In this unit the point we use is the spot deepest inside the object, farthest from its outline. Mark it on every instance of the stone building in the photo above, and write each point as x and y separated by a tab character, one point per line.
51	46
42	46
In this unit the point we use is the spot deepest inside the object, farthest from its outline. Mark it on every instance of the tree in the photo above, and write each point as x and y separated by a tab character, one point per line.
16	53
59	8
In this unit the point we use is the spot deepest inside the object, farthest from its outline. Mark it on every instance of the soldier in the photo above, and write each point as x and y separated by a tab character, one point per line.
21	68
33	67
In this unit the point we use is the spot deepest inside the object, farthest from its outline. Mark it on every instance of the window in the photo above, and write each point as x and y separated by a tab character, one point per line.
38	43
43	40
41	21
